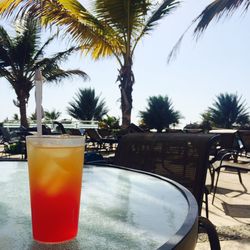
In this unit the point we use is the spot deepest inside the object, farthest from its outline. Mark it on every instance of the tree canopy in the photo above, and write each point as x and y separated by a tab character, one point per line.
227	111
160	113
22	55
107	28
87	105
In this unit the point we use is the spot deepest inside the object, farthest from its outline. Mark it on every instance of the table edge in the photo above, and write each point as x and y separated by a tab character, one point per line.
189	226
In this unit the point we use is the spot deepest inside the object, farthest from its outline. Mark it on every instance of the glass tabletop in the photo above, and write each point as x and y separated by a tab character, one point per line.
120	209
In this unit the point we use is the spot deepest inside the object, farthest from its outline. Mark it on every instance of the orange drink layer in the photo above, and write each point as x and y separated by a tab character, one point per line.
55	175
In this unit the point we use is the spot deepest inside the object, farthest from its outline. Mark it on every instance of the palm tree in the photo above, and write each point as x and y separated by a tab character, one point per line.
206	122
160	113
112	28
227	110
32	117
22	55
15	117
87	106
110	122
52	115
218	9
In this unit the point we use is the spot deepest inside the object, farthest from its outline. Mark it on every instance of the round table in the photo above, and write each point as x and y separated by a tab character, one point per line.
120	209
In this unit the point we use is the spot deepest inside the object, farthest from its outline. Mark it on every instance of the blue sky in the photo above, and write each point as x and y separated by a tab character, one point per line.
217	63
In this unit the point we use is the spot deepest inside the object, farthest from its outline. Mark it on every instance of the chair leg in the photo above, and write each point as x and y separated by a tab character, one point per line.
206	201
239	174
212	174
216	183
206	193
209	228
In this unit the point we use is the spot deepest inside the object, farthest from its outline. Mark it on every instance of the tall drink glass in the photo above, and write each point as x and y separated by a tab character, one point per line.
55	175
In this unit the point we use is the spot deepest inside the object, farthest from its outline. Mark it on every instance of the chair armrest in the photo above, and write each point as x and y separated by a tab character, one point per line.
223	155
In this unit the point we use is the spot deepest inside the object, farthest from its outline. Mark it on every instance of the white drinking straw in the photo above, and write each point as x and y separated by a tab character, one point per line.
38	98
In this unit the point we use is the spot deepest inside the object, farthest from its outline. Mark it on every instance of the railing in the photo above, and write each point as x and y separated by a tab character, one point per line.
66	124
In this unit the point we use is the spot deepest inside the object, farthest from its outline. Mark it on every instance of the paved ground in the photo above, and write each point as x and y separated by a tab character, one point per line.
230	212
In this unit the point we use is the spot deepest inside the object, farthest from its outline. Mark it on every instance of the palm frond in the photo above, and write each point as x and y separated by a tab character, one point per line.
57	75
6	45
40	52
8	51
165	8
86	29
173	53
18	8
26	43
58	57
4	37
218	9
77	21
122	16
5	73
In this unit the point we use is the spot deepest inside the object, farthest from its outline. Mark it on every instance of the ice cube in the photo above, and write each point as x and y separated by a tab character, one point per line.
53	178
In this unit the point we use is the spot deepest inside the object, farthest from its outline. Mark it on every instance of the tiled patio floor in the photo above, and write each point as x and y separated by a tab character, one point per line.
230	212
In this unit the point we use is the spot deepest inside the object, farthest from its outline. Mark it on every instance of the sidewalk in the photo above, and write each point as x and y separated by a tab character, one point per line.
230	212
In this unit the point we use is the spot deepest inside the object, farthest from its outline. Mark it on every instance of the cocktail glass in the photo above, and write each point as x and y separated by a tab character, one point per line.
55	166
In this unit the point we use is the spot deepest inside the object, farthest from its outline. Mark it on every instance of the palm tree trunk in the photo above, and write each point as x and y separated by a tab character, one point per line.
22	108
126	78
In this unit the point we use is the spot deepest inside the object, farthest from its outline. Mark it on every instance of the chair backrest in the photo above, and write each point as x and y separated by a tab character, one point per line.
73	131
103	132
229	138
6	136
245	139
93	135
58	126
180	157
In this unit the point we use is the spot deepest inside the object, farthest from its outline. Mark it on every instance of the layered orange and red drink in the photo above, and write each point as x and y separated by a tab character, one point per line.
55	175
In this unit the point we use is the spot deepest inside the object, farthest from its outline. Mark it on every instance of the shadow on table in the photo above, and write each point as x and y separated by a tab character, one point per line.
74	244
237	210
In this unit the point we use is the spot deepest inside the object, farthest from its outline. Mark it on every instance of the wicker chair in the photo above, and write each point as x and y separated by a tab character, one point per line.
180	157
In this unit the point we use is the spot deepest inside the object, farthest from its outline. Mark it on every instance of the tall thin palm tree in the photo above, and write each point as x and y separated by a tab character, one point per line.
228	110
111	28
87	106
22	55
160	113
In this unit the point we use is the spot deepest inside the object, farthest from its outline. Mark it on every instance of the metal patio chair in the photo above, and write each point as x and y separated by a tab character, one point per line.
245	139
99	142
231	146
13	142
180	157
